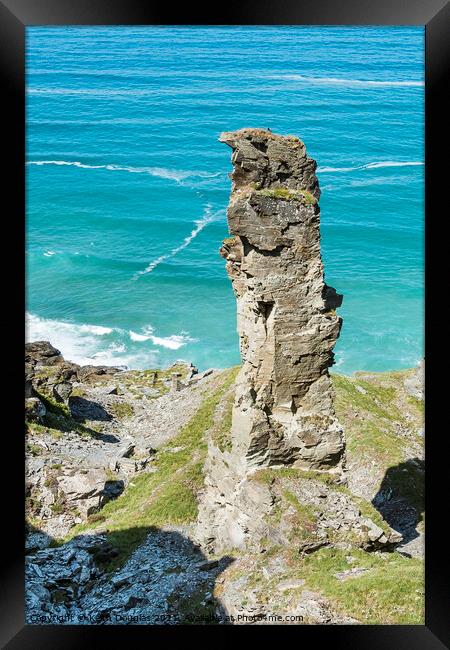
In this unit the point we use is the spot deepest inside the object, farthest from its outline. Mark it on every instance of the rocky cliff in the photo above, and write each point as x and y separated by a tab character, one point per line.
283	412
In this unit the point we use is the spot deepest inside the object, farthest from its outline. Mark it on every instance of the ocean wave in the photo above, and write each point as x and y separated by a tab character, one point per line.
372	165
88	344
365	83
173	342
93	92
199	225
98	330
161	172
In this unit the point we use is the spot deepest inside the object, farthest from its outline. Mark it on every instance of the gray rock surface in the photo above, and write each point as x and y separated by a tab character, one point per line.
66	585
415	384
88	454
283	412
286	319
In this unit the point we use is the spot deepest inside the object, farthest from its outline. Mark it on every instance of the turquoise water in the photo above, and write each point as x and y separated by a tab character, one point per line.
127	184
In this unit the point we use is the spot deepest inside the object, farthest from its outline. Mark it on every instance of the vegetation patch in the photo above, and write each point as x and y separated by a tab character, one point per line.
371	409
289	195
121	410
304	522
156	379
197	608
33	450
57	420
269	475
417	403
390	592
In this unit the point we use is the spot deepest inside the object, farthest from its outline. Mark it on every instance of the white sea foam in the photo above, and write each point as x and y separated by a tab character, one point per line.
372	165
81	343
393	163
95	344
199	225
95	329
173	342
49	253
161	172
365	83
138	337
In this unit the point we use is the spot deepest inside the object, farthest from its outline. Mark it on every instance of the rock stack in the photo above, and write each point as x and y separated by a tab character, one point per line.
283	412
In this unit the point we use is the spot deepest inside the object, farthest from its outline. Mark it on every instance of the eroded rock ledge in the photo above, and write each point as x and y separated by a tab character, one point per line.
283	412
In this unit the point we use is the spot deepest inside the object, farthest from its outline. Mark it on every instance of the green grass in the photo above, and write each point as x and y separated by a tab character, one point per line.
391	592
307	514
77	392
121	410
268	475
38	429
417	403
289	195
193	609
370	416
304	522
33	450
169	495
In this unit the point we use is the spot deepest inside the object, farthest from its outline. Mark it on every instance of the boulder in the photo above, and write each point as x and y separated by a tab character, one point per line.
34	409
41	353
91	372
62	391
85	488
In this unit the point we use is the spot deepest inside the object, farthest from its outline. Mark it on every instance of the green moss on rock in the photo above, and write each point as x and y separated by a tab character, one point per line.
287	194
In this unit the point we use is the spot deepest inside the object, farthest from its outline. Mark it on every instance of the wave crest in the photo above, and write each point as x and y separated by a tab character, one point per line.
173	342
161	172
365	83
199	225
372	165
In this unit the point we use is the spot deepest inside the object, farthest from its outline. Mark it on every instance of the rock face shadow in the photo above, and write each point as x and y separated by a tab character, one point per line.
166	580
83	409
400	498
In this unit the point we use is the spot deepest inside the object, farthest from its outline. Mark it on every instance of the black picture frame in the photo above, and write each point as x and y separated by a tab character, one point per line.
15	16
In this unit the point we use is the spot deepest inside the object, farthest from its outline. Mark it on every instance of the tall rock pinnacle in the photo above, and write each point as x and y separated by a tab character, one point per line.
286	319
283	411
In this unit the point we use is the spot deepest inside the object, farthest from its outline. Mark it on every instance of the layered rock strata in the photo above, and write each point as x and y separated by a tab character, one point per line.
283	412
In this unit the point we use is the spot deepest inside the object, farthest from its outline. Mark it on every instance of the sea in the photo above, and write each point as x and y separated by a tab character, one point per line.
127	184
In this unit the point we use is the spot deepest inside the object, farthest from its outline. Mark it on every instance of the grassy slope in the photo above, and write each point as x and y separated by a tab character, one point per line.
382	427
389	592
371	407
